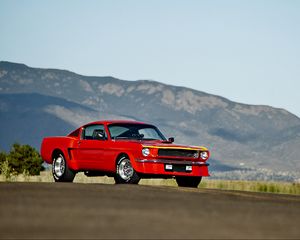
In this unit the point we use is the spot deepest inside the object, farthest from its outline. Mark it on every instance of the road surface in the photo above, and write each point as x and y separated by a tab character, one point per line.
64	210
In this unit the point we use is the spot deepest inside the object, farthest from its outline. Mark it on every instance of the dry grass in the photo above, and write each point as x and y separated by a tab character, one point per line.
45	176
253	186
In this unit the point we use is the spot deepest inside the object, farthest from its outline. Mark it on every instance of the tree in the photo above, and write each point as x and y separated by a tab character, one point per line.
24	158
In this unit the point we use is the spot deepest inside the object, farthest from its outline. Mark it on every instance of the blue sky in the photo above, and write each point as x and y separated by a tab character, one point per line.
246	51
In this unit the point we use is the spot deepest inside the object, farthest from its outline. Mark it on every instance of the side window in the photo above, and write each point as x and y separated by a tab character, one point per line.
94	132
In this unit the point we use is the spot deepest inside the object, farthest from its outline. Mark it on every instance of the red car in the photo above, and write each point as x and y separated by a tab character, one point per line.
125	150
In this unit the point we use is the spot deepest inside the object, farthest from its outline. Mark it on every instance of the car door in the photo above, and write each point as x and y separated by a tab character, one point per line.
92	148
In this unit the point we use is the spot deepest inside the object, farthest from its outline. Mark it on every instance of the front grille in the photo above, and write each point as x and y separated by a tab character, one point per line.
178	153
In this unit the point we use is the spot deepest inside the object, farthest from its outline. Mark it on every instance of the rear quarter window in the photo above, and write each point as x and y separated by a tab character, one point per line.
74	133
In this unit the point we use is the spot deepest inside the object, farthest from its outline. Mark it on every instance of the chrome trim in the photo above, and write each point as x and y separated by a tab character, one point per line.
168	161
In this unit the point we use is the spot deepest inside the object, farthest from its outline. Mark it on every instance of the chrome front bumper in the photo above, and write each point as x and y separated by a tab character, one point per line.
172	161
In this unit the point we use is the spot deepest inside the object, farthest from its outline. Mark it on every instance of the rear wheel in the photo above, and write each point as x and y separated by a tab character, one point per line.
125	172
188	181
60	170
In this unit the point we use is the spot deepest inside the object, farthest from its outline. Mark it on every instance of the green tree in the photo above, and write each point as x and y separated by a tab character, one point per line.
24	158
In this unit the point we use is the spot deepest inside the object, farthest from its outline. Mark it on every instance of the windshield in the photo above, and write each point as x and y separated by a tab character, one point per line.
134	131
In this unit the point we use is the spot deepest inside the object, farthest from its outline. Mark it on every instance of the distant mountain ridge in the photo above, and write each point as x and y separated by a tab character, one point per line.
239	135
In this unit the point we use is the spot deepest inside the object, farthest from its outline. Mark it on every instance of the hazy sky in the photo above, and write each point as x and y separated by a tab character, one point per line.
246	51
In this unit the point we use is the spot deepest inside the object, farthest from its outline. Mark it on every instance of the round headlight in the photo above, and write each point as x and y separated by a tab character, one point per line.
203	155
145	152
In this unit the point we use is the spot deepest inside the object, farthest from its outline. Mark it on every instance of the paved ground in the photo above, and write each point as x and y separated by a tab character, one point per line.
62	210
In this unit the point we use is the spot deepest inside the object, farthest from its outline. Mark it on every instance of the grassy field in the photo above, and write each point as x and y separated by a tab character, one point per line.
254	186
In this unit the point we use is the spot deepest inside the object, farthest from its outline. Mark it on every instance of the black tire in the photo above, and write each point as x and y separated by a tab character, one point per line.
192	182
125	172
60	170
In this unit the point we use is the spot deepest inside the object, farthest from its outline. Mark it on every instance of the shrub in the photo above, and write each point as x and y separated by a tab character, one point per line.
2	158
3	163
6	170
24	158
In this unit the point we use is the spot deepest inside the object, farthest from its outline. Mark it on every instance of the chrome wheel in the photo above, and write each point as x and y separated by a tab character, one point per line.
60	169
125	170
125	173
59	166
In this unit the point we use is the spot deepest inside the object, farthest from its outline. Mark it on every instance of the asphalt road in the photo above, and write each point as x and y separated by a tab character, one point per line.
63	210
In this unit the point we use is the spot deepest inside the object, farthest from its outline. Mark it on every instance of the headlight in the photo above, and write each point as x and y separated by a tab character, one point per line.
145	152
203	155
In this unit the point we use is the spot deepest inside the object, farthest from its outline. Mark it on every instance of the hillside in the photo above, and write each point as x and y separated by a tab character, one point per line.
261	138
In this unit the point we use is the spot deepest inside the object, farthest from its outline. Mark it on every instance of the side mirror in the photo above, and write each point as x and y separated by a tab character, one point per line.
171	139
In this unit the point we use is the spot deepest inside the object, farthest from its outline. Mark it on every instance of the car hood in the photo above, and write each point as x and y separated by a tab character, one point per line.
164	145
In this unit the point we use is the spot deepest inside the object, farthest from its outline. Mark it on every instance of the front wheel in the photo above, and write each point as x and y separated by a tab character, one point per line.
60	170
125	172
192	182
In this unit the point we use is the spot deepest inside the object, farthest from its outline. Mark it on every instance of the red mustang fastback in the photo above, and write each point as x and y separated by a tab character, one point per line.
125	150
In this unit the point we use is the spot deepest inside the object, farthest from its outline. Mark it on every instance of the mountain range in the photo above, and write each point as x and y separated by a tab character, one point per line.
246	141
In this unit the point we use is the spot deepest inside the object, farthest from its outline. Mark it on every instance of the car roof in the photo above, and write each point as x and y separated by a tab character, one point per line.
107	122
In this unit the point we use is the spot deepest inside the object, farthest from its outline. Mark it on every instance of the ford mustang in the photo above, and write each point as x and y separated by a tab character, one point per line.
125	150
